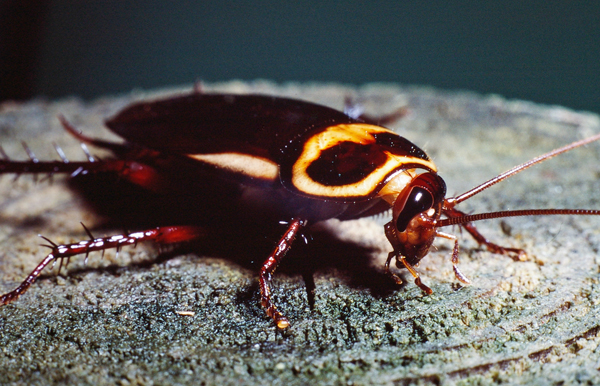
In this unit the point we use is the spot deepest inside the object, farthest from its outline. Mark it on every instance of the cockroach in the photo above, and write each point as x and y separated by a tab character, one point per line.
283	160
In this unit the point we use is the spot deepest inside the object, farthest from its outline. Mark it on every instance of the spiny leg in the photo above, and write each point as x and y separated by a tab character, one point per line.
130	166
516	254
269	267
161	235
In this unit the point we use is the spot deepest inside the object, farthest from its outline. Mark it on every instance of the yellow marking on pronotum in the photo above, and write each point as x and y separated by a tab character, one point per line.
360	133
247	164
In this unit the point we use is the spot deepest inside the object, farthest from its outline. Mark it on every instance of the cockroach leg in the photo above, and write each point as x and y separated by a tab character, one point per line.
388	272
415	274
309	282
516	254
84	139
459	275
133	171
161	236
269	267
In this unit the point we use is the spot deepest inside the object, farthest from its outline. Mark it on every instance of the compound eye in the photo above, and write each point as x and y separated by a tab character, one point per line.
419	201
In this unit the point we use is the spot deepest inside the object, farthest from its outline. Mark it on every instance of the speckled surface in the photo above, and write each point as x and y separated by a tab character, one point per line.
119	320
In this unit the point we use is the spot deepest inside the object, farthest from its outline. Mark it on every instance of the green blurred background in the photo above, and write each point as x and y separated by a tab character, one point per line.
543	51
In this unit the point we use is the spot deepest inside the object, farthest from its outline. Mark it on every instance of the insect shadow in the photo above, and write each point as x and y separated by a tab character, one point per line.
245	242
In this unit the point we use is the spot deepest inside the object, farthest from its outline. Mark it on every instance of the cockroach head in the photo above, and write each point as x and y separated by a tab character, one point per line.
415	212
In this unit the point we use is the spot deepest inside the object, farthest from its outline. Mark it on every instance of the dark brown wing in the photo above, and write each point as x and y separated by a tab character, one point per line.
311	150
216	123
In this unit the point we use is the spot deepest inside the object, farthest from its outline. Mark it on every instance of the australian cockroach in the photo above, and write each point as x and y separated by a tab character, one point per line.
282	160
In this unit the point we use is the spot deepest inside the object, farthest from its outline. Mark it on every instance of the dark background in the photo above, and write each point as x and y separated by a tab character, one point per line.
543	51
